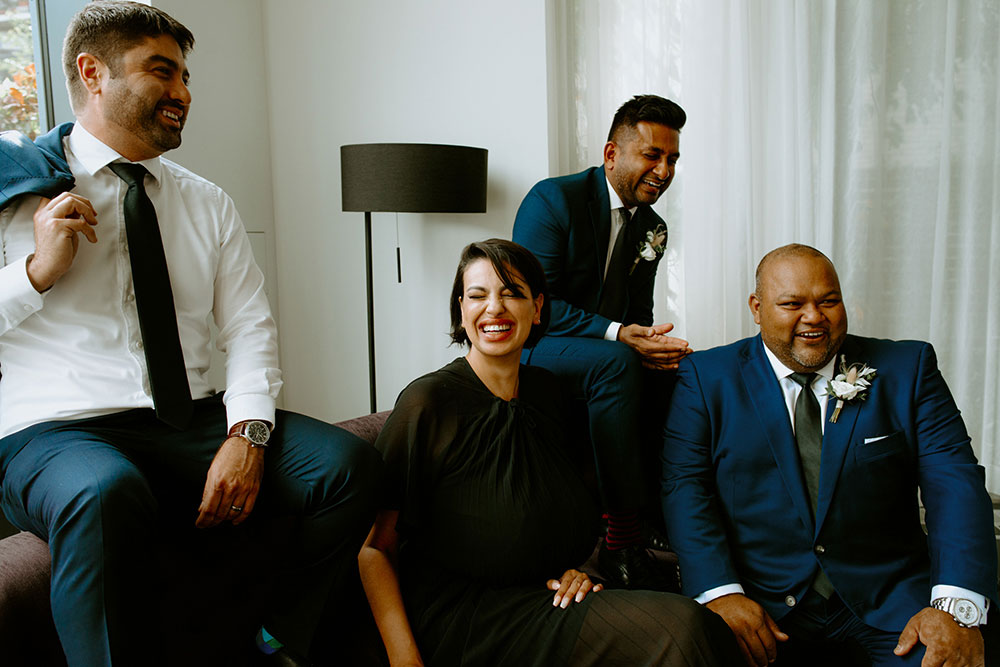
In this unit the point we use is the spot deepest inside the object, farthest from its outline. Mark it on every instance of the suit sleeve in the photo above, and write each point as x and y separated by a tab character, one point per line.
695	528
952	485
542	226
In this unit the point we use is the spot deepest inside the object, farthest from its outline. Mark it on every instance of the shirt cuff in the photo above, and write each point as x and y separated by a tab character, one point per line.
612	332
249	406
18	298
946	591
718	592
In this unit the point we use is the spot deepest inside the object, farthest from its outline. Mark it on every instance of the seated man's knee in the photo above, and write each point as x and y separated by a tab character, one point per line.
111	497
619	363
360	462
345	464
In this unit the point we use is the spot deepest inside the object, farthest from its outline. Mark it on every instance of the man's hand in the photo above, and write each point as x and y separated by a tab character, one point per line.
57	225
947	642
756	632
658	350
233	481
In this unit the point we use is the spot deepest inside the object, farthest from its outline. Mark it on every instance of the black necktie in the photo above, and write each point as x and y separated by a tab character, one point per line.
614	296
154	301
809	438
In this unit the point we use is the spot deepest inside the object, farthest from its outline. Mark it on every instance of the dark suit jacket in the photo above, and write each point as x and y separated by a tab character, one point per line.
37	167
566	223
736	507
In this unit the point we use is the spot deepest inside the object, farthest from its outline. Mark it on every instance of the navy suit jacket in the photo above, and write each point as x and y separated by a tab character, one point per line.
37	167
566	223
736	506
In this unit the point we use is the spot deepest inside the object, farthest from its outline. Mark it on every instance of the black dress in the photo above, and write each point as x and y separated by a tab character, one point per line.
491	506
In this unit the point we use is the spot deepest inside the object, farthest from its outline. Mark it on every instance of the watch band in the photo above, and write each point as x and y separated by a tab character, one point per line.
966	613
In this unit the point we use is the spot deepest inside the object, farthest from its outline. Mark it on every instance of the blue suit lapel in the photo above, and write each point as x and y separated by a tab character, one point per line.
836	439
599	208
769	404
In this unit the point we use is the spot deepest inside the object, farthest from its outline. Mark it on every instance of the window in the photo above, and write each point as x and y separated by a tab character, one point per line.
18	80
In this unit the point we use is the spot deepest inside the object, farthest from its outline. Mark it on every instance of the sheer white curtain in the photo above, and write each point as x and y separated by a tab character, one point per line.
870	130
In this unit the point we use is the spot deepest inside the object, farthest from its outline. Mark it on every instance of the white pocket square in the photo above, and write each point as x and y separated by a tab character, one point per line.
876	438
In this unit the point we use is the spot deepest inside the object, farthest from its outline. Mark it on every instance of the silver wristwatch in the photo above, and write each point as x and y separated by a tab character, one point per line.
965	612
256	432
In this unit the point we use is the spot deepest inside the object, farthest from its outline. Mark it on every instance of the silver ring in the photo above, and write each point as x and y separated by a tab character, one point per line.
236	509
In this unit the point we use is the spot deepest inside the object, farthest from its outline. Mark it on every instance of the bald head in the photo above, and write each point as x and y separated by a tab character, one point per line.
784	252
799	307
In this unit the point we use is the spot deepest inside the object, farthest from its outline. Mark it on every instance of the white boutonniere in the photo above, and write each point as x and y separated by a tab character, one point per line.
852	383
654	245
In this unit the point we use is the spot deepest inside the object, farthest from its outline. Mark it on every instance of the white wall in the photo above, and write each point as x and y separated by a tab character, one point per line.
279	86
437	71
226	138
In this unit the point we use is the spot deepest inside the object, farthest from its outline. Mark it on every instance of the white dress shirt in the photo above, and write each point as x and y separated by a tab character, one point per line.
76	351
790	391
617	221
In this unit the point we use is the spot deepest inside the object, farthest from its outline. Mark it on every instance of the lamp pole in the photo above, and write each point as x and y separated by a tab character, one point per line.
371	308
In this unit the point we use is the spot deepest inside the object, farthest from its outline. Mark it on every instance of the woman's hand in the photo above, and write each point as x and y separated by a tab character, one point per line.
572	586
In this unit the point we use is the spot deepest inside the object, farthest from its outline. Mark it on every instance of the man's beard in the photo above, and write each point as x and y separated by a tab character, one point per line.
129	111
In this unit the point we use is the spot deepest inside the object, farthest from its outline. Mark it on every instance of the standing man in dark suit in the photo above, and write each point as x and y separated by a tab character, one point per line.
600	244
795	508
114	261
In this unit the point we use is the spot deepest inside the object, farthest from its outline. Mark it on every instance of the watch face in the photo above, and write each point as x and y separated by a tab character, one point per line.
966	611
257	433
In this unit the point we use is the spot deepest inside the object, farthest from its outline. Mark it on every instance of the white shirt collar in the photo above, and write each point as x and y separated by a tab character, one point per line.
94	154
616	201
782	371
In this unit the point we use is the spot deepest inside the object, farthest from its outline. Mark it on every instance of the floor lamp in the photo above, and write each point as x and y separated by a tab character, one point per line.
408	178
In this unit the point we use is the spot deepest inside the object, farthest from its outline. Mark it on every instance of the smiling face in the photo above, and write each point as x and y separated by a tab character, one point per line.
495	318
640	162
143	99
800	311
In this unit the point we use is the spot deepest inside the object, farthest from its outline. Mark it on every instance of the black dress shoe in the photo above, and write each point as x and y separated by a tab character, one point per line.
654	538
633	568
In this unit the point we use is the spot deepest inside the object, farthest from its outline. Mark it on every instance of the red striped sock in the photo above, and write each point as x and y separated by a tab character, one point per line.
623	530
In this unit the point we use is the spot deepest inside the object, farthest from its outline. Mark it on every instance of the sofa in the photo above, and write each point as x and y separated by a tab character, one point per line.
209	616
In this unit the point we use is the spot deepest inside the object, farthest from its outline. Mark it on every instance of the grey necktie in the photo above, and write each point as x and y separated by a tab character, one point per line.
809	438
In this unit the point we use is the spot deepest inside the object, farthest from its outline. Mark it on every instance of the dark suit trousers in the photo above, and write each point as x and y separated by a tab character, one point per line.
626	406
95	488
816	623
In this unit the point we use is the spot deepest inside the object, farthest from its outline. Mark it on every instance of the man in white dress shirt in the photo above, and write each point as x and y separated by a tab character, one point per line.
98	433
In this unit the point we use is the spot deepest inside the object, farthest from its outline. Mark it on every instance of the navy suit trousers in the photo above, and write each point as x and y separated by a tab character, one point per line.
95	488
816	623
626	406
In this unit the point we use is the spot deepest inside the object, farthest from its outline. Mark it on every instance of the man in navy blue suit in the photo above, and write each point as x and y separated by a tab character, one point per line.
792	463
600	244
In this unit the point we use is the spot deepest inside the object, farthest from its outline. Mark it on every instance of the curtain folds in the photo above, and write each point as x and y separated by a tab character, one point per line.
870	130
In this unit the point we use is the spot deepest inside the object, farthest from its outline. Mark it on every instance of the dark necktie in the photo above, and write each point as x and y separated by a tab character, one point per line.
614	296
154	302
809	438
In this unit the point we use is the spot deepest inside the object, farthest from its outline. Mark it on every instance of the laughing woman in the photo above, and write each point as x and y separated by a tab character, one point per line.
471	561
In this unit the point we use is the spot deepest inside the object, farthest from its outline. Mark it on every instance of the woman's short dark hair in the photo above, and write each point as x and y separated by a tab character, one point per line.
506	257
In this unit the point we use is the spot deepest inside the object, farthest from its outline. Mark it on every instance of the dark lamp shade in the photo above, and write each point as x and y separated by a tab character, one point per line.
413	178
